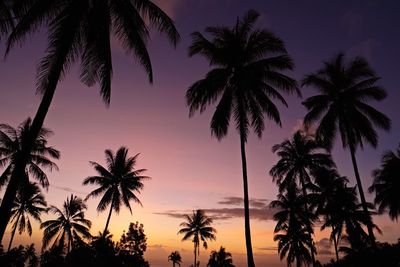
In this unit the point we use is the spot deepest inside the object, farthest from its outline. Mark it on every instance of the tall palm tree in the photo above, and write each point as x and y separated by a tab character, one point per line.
342	106
220	258
247	77
298	159
175	257
118	183
386	184
197	227
81	29
29	202
70	226
11	143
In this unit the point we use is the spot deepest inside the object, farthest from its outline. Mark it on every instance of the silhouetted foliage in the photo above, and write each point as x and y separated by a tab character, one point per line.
132	246
198	228
247	77
19	257
386	185
69	228
342	106
118	182
220	258
175	258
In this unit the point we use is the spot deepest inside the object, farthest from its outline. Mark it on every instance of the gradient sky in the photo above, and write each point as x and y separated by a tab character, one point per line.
189	168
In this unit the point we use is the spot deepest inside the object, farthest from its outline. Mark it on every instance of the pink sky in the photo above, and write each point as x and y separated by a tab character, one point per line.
189	169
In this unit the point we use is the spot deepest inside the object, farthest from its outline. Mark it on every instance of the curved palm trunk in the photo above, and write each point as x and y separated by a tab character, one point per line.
108	221
362	197
250	260
13	232
37	124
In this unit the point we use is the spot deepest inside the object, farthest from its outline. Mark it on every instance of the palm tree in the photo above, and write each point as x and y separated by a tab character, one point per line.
298	159
11	143
81	29
246	78
117	183
220	258
6	20
386	184
70	226
29	202
175	257
342	106
198	227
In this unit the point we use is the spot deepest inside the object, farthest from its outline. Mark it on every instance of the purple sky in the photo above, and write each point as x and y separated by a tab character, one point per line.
189	168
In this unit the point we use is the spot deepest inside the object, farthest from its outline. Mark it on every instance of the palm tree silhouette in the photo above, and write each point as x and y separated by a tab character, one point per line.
118	182
326	195
81	29
29	202
198	227
175	257
342	106
6	19
11	143
246	78
220	258
70	227
294	226
386	184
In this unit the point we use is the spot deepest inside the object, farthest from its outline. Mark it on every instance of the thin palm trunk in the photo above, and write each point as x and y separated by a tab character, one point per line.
22	159
108	221
335	243
362	197
250	260
13	232
195	255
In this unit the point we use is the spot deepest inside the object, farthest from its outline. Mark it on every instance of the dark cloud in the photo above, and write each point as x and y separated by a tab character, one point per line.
68	189
324	246
268	248
259	210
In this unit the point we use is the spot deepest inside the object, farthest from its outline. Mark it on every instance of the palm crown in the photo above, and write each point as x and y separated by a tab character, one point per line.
70	226
119	182
11	143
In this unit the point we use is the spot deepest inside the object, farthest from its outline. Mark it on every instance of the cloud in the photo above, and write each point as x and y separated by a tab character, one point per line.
68	189
271	248
352	22
259	210
300	127
324	246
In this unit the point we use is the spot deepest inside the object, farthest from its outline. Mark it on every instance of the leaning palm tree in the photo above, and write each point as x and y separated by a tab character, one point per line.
220	258
29	202
81	30
298	159
70	227
386	184
175	258
197	227
118	183
246	78
342	106
11	144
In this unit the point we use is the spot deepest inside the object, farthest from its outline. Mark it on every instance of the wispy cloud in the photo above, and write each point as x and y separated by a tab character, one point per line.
259	210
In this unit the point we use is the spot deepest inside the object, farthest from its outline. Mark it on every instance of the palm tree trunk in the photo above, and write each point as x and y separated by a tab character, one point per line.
195	254
13	232
362	197
250	259
22	159
335	243
108	221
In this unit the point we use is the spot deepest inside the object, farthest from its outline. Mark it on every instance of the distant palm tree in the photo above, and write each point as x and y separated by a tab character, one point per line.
31	256
386	184
247	77
175	257
327	187
198	227
11	144
70	226
118	182
220	258
82	30
298	159
29	202
342	106
294	226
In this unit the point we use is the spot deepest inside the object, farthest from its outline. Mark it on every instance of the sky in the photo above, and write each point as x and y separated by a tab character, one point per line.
189	168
